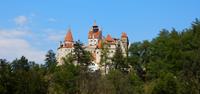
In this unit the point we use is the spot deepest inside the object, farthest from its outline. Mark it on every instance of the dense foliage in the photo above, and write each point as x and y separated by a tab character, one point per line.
169	64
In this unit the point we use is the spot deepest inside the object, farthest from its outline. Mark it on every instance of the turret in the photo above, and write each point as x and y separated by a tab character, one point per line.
68	42
125	41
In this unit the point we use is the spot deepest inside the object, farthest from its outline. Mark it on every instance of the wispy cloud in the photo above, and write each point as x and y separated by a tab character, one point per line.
23	40
21	20
55	38
52	20
13	33
54	35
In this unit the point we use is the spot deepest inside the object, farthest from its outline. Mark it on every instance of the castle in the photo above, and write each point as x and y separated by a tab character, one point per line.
94	46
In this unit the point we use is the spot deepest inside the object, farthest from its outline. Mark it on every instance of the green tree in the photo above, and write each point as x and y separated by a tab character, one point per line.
119	61
50	61
65	79
5	77
82	57
139	57
166	84
27	78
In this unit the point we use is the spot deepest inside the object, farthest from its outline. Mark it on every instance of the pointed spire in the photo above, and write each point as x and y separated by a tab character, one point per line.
95	23
68	36
95	28
109	38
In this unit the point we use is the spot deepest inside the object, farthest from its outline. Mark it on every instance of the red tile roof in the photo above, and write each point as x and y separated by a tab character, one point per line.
68	36
109	38
95	34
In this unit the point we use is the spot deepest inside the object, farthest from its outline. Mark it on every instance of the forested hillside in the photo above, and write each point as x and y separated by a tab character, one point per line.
169	64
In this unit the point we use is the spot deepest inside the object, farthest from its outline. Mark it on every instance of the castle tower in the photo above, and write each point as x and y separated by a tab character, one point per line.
68	42
65	48
94	35
125	41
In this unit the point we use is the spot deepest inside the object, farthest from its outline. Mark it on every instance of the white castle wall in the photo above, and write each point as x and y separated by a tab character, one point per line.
62	52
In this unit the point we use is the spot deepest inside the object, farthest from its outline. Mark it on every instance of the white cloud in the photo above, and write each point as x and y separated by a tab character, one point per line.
21	20
13	45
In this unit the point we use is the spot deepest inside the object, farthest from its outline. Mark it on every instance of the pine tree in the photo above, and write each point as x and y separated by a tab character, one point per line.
119	60
50	61
82	57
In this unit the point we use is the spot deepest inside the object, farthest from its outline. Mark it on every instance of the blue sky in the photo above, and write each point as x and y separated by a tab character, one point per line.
32	27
